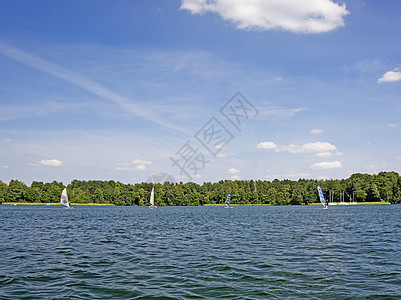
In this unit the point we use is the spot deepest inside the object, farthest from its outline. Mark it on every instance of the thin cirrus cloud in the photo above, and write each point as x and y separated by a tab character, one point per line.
14	112
390	76
81	81
298	16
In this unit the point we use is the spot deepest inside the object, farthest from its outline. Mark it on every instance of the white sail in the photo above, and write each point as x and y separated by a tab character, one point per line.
64	199
152	196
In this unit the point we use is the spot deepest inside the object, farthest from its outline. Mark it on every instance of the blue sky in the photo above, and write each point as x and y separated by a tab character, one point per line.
118	90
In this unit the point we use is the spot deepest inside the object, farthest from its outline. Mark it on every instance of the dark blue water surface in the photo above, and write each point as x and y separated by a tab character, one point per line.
47	252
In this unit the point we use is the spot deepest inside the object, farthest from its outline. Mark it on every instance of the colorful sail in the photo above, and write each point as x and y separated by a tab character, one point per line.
321	196
64	199
228	200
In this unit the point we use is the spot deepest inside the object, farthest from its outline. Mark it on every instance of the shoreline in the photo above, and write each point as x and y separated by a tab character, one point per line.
221	205
58	204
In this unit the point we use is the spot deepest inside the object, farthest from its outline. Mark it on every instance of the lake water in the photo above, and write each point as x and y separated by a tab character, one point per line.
200	252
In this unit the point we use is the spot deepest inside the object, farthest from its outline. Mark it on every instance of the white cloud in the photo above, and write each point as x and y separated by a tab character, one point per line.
233	171
322	149
324	154
141	162
235	177
317	131
319	147
278	112
224	154
324	165
122	168
140	168
390	76
266	145
4	167
135	165
48	163
299	16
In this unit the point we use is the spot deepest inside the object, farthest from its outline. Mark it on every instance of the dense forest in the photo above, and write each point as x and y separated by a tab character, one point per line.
385	186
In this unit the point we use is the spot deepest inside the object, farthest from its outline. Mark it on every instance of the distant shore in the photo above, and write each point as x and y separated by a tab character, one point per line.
109	204
58	204
358	203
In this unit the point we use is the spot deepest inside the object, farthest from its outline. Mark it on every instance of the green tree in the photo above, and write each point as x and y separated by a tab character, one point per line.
3	191
16	191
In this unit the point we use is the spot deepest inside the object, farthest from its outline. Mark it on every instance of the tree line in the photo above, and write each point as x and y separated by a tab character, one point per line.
385	186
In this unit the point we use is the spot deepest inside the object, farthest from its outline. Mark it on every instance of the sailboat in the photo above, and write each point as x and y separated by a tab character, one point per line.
342	201
331	197
321	196
228	201
152	199
64	199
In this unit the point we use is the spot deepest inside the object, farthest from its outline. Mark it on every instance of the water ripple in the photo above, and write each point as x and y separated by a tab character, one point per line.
200	252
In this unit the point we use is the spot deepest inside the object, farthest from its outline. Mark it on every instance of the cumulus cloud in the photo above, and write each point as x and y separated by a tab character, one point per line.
322	149
317	131
324	154
298	16
266	145
390	76
319	147
134	165
140	167
122	167
233	171
141	162
48	163
324	165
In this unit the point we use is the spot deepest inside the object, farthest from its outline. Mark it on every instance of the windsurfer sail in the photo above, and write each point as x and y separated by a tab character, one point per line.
152	198
64	199
228	201
321	196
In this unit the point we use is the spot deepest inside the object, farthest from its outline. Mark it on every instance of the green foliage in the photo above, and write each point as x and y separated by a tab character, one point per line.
385	186
3	191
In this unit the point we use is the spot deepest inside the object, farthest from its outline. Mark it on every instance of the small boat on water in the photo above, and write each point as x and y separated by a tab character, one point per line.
228	201
321	197
342	201
64	199
152	199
